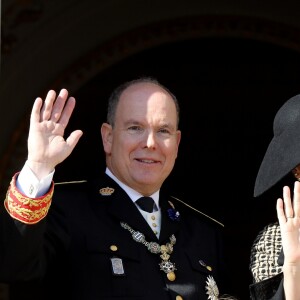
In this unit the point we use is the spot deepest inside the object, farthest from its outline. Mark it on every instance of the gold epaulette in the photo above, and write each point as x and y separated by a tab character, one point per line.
198	211
70	182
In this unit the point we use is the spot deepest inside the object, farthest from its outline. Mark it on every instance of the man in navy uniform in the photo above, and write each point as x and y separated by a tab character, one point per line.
114	237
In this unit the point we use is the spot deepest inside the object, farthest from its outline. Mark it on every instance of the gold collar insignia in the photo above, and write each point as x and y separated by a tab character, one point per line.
107	191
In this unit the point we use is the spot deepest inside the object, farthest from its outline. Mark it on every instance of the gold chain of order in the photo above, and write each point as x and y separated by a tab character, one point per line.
164	250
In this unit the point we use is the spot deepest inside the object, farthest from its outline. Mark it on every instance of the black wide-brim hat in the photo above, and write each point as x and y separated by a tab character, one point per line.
283	152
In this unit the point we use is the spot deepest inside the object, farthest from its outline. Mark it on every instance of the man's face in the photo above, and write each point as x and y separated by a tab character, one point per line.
142	147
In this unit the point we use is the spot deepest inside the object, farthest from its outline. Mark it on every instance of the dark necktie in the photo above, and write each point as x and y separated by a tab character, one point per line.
146	204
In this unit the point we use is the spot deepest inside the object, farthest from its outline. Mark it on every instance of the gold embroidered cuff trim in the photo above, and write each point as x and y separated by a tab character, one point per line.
24	209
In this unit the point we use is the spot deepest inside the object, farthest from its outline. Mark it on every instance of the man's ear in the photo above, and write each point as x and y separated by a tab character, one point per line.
106	133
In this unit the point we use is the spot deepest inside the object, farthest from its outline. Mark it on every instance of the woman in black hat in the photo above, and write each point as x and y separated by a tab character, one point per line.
275	253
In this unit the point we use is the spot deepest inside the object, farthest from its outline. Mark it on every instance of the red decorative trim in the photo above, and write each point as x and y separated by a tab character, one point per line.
24	209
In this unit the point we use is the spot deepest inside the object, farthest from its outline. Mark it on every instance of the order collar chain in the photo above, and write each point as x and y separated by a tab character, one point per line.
164	250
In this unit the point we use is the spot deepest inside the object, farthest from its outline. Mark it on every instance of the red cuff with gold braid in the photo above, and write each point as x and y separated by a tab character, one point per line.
24	209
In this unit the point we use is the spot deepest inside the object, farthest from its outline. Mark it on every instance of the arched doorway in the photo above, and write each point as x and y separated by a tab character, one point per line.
230	76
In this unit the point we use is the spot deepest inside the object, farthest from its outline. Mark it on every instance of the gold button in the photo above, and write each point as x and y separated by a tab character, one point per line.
179	297
153	217
171	276
154	225
113	248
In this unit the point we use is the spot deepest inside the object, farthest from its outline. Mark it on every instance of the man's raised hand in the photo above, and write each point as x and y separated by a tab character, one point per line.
47	146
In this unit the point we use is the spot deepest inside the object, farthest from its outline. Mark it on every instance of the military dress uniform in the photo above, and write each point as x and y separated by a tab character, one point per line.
87	240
